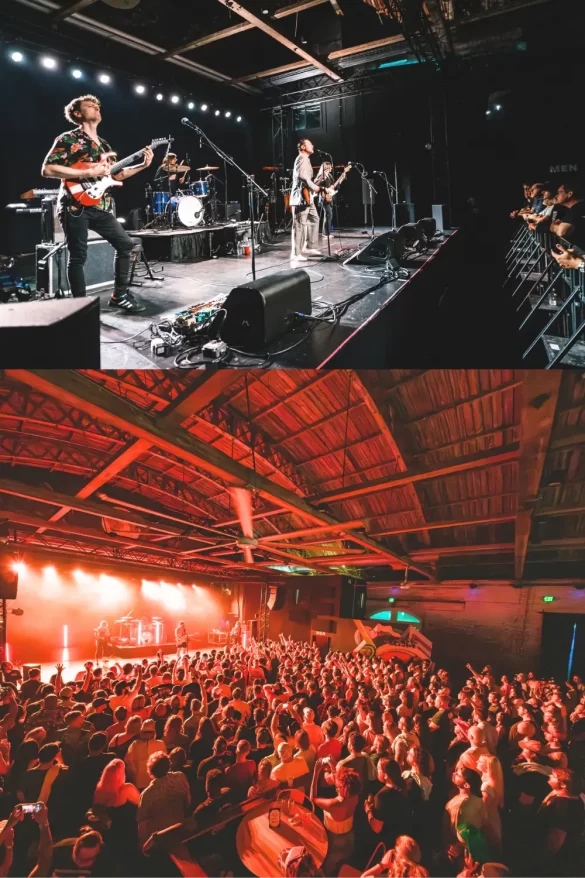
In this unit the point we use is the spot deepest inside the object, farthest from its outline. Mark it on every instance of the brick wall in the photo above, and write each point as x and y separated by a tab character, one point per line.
498	625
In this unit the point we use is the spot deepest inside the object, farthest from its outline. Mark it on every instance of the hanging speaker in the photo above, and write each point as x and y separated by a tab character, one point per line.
8	576
276	598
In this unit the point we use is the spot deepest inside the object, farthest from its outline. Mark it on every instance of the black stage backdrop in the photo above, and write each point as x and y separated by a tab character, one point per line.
414	122
31	113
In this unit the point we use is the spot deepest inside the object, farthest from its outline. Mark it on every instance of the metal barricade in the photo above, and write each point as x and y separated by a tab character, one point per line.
544	286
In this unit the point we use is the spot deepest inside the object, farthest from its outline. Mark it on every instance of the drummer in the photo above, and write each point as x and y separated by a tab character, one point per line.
170	174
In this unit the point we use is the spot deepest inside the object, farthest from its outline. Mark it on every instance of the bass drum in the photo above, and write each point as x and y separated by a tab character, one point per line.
190	211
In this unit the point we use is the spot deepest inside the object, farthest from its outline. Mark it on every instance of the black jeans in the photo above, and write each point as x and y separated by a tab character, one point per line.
325	217
77	221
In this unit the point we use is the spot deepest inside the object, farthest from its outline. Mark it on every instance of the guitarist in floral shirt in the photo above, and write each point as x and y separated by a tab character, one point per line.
83	144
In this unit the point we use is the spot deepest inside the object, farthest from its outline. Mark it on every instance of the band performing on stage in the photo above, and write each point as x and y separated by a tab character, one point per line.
89	169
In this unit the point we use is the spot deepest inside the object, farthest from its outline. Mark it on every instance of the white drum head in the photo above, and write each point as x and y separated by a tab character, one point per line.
190	211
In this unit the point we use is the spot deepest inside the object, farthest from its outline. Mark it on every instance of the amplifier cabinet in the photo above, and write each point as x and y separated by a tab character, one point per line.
51	274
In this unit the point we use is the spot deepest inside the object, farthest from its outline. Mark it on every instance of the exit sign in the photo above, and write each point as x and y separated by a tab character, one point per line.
548	599
391	600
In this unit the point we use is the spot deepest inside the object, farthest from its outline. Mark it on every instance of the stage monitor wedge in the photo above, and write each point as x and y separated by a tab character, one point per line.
388	247
260	311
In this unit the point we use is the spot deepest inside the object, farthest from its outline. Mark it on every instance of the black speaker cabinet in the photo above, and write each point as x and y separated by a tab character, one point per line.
52	272
264	309
404	213
352	601
276	598
51	334
389	246
8	576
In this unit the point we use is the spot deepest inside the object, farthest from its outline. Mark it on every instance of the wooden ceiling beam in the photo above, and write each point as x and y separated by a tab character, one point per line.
439	525
77	391
197	396
89	507
281	38
540	393
236	29
493	457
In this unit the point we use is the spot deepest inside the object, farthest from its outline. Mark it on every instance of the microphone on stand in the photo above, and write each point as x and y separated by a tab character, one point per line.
189	124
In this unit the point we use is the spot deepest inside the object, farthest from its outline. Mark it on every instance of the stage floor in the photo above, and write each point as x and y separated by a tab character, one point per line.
126	338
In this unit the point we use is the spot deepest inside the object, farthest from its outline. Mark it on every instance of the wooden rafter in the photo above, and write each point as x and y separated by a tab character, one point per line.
75	390
293	9
474	461
277	35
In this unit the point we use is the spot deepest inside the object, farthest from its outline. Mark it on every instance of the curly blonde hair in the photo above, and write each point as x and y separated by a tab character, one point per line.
74	105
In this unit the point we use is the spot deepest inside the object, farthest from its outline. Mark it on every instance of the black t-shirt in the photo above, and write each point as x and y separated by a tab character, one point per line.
561	812
575	216
393	809
192	688
29	689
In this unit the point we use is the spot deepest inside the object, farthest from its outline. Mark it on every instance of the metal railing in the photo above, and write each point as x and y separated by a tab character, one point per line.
540	287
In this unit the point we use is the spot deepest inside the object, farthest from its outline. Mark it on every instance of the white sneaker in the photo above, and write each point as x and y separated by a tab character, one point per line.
299	258
312	253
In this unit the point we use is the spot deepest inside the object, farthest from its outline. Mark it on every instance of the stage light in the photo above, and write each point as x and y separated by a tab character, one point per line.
228	114
110	589
77	74
65	636
104	78
204	108
217	113
140	89
239	119
191	105
17	57
121	219
50	573
488	112
7	652
48	63
19	567
498	107
175	99
159	97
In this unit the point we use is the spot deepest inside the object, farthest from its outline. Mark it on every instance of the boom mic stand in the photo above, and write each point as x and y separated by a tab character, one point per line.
249	179
364	175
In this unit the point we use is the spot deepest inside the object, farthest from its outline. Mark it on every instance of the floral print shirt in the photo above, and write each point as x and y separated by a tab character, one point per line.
77	146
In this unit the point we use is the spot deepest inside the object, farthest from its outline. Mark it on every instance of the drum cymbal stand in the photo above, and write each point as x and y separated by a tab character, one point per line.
251	182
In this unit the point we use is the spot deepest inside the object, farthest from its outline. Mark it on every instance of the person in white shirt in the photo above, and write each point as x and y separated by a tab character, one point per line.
139	752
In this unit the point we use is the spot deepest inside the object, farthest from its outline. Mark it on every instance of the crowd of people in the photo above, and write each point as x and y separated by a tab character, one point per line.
472	775
557	209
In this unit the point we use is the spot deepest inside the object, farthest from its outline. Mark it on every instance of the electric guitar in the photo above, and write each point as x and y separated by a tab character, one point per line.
90	192
329	198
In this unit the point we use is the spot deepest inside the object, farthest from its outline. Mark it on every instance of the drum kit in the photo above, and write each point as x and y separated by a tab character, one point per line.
188	208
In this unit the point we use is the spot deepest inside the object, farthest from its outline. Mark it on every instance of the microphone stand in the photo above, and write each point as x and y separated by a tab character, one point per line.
169	189
392	194
364	175
251	183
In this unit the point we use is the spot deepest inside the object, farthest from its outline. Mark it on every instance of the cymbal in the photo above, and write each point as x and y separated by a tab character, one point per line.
208	168
272	168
